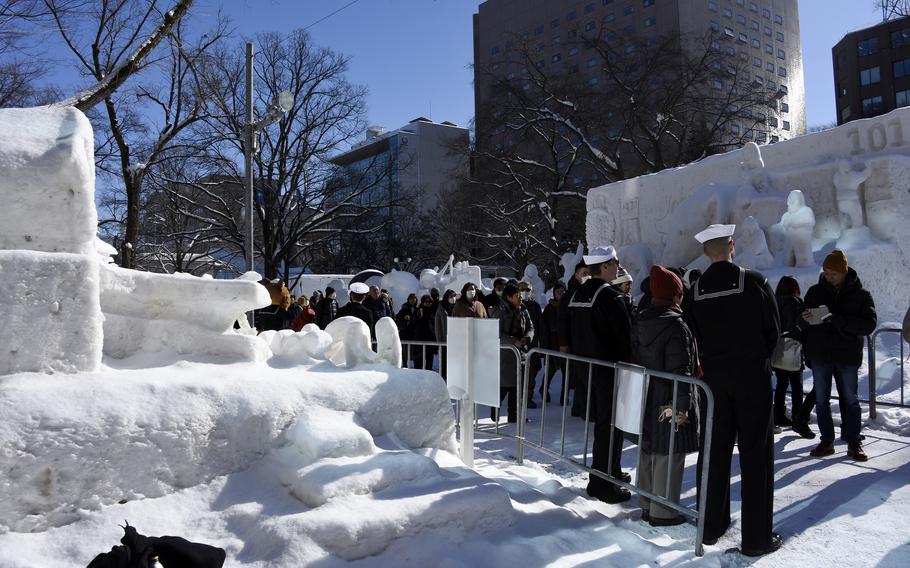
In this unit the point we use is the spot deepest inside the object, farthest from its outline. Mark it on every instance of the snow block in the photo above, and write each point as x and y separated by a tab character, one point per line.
47	180
51	311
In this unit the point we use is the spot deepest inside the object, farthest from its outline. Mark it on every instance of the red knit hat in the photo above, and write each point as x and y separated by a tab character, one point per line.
664	284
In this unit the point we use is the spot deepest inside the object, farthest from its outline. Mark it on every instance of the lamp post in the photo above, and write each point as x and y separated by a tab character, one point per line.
251	128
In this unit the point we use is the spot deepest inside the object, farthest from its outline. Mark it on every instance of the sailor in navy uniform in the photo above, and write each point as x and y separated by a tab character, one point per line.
737	325
601	329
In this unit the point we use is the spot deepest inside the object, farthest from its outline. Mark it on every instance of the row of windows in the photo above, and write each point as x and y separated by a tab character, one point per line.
753	7
869	46
744	37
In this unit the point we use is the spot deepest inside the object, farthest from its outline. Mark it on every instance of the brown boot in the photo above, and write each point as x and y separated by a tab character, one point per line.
855	451
822	449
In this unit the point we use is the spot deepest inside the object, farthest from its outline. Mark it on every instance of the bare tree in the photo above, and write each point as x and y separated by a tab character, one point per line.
651	105
304	203
893	9
112	40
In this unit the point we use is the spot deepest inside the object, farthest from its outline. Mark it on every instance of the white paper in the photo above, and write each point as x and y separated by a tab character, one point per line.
472	360
629	402
818	315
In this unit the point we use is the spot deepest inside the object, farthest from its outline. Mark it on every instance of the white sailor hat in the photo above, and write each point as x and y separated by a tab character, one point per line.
359	288
715	232
599	255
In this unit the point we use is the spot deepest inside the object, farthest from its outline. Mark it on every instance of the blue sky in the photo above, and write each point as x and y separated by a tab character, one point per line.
415	55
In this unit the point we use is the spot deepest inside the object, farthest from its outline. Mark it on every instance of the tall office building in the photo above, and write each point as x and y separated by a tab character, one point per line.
760	37
872	70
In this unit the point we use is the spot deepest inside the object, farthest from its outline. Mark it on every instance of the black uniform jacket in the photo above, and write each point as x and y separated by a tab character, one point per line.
736	321
839	339
599	322
358	311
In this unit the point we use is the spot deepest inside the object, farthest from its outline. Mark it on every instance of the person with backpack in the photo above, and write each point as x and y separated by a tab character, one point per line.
790	308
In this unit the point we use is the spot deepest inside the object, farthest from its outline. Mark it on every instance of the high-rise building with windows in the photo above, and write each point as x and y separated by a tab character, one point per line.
872	70
760	37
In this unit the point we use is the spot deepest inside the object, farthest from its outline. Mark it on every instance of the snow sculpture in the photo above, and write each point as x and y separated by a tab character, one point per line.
350	342
751	246
755	196
569	261
388	342
532	277
49	270
452	276
400	284
305	347
846	186
795	228
637	259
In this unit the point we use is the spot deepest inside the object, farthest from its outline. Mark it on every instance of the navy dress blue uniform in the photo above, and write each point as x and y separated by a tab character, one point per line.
601	329
736	323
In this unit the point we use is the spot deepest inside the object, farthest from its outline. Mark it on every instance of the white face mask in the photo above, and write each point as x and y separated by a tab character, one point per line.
498	293
470	294
585	279
525	295
452	300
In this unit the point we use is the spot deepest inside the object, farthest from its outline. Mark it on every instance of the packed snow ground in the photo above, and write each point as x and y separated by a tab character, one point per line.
335	484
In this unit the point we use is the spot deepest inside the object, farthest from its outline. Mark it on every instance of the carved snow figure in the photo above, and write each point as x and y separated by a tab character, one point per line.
351	342
751	246
388	342
755	196
568	262
846	186
637	260
795	229
708	205
532	277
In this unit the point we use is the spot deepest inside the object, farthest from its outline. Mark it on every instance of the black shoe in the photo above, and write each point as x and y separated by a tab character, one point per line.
494	414
645	516
776	542
822	449
612	496
547	397
802	428
671	522
855	451
710	541
623	476
532	404
784	421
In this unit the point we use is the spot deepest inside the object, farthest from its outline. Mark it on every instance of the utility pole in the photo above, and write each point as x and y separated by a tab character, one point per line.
249	135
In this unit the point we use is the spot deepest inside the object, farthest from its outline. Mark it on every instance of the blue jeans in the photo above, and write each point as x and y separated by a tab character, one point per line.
846	379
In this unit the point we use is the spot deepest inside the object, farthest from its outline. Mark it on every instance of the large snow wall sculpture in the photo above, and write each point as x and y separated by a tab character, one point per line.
869	158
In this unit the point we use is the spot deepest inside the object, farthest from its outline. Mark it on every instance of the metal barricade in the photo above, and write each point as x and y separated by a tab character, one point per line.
561	455
873	386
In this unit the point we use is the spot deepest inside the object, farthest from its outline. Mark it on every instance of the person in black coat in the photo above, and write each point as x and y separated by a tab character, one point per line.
536	313
424	331
601	329
549	339
327	310
577	373
515	328
790	306
661	340
736	324
492	299
406	317
834	349
354	307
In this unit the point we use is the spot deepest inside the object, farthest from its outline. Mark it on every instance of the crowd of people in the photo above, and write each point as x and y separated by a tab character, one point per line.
725	326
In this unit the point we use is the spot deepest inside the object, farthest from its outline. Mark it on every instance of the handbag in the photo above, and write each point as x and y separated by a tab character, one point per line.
788	354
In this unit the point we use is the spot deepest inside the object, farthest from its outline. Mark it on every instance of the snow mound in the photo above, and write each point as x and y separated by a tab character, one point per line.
323	433
350	342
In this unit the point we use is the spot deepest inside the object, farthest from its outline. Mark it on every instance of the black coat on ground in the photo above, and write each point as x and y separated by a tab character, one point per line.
138	550
839	339
662	341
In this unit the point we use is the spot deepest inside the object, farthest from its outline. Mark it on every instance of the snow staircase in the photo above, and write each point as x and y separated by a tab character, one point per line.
344	475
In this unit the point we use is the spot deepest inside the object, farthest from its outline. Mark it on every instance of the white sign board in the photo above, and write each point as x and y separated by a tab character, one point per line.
472	360
630	393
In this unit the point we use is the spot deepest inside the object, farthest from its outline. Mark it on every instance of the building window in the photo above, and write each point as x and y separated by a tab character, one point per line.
571	16
591	62
900	38
766	13
778	19
629	29
771	84
628	10
769	67
902	98
753	7
555	40
554	23
650	22
743	38
773	121
781	71
630	48
775	138
728	13
769	48
784	107
572	34
740	19
646	3
609	18
756	62
573	51
756	43
871	107
755	25
845	114
768	31
651	40
607	2
712	5
734	128
614	133
901	68
717	84
869	76
729	50
760	116
556	57
589	8
779	36
758	80
715	26
590	26
867	46
743	56
538	30
781	54
729	31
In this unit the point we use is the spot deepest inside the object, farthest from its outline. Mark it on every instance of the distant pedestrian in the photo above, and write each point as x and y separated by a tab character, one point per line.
515	328
443	312
549	339
790	307
536	313
467	305
839	314
577	379
492	300
406	317
358	292
327	310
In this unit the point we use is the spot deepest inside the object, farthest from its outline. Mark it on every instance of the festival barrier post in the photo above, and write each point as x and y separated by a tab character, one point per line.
873	386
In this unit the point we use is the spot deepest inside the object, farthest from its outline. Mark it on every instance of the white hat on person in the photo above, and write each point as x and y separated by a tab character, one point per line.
599	255
359	288
715	231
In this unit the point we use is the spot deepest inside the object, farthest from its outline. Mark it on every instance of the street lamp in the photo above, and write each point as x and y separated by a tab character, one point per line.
251	128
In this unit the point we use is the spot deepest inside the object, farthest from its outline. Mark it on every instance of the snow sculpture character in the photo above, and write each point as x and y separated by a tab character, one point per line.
755	196
637	260
795	228
350	342
388	342
708	205
568	262
846	185
532	277
751	246
400	284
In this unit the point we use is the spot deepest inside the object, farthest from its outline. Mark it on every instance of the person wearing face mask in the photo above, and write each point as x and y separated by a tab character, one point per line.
493	300
515	328
535	311
327	310
467	305
443	312
406	318
424	331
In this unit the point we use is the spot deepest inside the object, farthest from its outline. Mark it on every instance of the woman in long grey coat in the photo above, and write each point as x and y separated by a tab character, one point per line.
662	341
